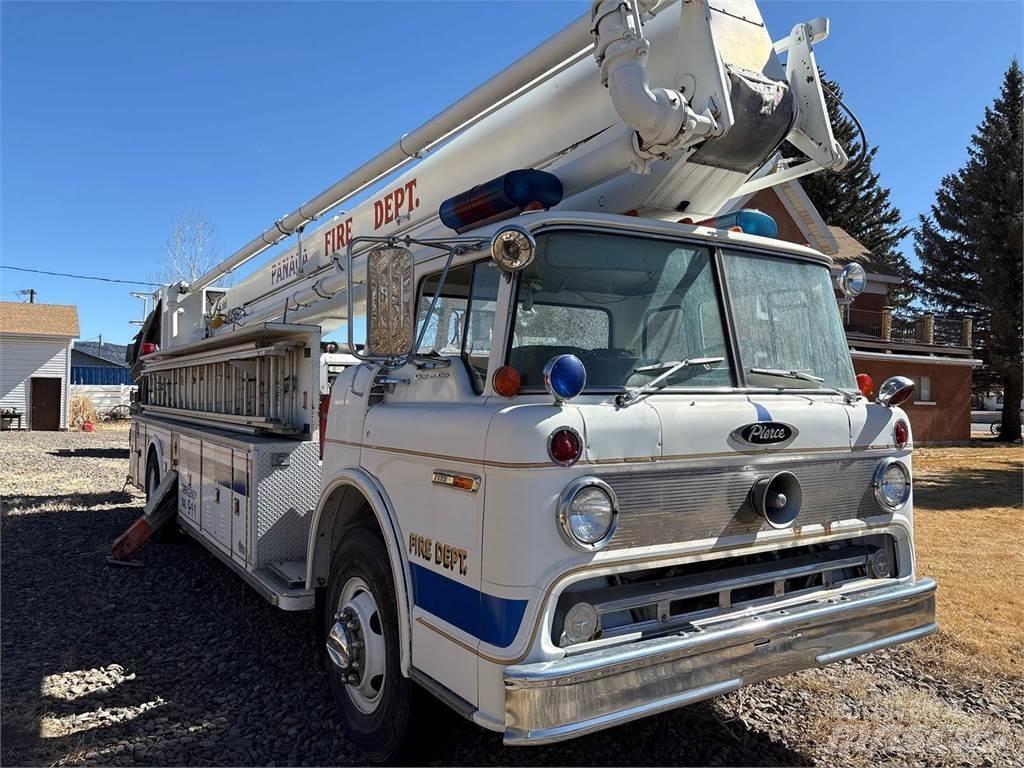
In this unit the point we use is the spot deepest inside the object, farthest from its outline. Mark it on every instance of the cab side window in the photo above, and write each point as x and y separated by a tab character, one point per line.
462	322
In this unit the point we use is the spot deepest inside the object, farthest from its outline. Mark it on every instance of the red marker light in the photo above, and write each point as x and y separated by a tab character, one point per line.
565	446
148	348
865	384
901	433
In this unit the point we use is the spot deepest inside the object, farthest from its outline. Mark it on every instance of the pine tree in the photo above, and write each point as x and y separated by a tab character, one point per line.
971	244
854	199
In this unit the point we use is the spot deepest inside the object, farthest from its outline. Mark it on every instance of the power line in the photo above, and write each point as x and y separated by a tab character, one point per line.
79	277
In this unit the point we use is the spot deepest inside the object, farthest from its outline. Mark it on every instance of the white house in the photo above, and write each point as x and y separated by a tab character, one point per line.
35	364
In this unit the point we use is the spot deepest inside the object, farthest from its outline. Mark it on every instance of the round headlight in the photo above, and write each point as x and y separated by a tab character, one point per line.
587	514
513	248
892	483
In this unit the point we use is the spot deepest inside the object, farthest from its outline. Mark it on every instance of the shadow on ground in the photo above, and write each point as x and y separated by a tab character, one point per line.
213	675
90	453
969	488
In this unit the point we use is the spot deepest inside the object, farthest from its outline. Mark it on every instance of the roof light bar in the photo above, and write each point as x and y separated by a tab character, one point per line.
501	198
750	221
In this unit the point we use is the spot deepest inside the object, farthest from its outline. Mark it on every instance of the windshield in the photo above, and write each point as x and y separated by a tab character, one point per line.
788	329
622	305
635	310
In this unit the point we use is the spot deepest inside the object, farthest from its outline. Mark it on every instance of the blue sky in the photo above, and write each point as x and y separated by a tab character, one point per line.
118	117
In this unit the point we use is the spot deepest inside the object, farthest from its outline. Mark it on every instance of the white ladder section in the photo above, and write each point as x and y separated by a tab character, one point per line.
252	385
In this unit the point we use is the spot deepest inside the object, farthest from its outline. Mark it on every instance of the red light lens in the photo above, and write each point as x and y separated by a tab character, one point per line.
901	433
148	348
565	447
865	384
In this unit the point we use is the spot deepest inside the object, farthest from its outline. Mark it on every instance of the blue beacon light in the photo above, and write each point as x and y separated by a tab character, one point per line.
564	377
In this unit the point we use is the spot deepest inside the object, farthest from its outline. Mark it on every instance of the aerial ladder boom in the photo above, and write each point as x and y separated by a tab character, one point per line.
587	106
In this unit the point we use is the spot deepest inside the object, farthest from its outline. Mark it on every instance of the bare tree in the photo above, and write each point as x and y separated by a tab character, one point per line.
190	251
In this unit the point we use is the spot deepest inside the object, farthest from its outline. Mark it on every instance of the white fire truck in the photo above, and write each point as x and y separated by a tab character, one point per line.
603	452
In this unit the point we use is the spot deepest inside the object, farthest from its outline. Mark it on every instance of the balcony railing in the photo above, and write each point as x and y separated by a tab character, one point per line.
907	327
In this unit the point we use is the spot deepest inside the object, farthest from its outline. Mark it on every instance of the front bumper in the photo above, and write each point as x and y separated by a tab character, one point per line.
556	700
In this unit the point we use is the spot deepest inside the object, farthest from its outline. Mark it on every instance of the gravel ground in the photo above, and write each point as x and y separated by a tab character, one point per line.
179	663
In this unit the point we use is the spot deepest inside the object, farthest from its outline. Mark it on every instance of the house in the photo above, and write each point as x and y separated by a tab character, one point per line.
35	363
101	354
933	350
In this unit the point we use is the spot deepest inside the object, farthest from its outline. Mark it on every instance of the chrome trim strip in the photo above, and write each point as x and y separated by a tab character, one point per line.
877	645
555	700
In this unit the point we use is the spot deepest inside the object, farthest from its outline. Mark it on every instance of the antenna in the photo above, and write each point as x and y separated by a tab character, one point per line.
30	292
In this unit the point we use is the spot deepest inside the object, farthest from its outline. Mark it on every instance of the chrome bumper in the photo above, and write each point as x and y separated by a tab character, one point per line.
556	700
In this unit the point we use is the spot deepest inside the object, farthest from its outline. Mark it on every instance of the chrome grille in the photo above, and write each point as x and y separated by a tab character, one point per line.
658	507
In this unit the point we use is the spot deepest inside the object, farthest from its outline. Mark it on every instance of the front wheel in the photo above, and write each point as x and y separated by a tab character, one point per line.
363	657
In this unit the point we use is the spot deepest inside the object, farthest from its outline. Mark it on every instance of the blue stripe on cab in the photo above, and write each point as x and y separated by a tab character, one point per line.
762	412
494	620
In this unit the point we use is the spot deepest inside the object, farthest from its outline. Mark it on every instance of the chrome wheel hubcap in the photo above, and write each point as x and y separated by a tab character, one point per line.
356	647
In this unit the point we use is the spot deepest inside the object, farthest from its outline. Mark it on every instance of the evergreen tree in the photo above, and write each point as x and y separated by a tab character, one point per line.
855	201
971	244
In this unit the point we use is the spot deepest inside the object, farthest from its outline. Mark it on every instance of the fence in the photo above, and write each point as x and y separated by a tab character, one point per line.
105	397
908	327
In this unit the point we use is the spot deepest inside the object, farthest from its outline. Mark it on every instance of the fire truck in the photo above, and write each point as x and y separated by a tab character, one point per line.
595	447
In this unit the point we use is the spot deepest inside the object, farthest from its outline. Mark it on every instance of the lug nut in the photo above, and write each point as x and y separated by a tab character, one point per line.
357	644
355	664
354	624
353	679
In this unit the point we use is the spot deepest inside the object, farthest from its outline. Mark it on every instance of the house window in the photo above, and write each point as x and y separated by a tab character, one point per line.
922	389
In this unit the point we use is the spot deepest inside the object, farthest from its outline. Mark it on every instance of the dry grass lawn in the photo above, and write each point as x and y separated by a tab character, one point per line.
969	534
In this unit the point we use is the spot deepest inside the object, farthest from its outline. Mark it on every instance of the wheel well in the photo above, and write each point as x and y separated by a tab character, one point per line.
151	460
344	509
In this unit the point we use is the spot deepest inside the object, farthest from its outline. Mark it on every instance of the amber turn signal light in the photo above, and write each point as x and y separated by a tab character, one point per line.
507	381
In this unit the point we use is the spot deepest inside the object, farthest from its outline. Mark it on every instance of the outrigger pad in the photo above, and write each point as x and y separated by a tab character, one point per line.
160	509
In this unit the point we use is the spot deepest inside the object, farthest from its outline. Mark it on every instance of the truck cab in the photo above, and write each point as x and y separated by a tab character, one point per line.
630	471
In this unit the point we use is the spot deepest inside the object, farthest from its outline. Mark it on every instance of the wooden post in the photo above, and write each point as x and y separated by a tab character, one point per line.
967	332
886	323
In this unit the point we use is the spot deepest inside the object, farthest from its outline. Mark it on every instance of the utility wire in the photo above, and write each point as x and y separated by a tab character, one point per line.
80	277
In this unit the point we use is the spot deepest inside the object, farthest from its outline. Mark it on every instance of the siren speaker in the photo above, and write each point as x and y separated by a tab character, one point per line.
777	499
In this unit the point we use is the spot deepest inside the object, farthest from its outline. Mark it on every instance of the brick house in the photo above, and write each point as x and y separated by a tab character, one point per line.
933	350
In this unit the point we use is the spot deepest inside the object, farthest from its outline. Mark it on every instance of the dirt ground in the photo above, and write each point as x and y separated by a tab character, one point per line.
179	663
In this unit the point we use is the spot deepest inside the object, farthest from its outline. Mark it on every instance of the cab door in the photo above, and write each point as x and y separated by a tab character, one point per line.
425	443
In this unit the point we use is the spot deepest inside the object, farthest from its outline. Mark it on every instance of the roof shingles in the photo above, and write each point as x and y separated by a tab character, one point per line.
39	319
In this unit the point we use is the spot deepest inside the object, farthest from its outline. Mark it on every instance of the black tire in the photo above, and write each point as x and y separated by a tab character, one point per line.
383	734
994	427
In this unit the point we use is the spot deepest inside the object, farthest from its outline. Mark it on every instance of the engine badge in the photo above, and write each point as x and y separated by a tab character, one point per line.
763	433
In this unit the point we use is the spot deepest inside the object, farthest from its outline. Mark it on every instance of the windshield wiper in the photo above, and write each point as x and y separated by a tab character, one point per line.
625	398
784	374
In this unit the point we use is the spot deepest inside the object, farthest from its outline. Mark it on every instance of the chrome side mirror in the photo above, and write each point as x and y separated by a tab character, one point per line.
895	390
851	280
390	303
513	248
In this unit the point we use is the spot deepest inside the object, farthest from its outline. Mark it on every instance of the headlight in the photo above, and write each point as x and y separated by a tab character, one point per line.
892	484
587	513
